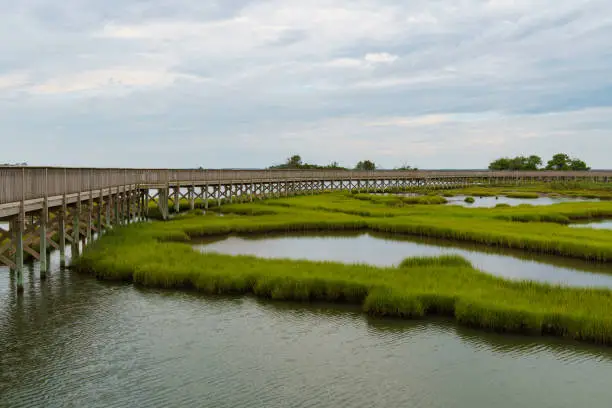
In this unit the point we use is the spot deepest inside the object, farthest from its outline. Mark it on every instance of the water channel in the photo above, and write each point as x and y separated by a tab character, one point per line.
490	202
74	341
607	224
384	250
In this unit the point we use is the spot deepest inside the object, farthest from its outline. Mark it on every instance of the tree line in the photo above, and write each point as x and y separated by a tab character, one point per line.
295	162
559	162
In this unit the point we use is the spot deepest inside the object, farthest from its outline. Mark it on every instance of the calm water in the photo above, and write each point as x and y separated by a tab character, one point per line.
386	251
75	342
490	202
596	225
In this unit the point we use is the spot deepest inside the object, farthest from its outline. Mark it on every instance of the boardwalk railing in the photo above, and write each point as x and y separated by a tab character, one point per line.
27	183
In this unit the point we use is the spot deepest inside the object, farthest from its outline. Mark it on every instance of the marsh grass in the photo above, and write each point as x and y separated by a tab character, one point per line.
522	194
152	255
579	190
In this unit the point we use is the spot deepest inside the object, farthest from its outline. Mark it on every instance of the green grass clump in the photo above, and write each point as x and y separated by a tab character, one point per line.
427	199
398	200
503	205
151	255
522	194
470	200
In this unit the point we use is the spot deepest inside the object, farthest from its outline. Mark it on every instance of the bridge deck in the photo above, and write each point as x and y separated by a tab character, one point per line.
31	185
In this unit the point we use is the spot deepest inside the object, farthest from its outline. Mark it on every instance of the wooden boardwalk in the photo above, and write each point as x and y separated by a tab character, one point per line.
49	206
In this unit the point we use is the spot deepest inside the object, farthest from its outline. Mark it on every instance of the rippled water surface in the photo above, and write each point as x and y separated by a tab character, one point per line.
74	341
385	250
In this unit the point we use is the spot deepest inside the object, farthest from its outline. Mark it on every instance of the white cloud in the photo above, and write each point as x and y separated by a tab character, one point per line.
381	76
13	80
108	80
381	57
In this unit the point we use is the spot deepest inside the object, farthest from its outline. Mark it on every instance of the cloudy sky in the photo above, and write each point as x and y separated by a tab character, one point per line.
246	83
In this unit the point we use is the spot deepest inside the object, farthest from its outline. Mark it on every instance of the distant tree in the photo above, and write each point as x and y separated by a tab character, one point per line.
295	162
563	162
578	165
406	167
365	165
532	162
500	164
559	161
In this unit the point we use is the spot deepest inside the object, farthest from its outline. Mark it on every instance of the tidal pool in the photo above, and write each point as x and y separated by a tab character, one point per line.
383	250
490	202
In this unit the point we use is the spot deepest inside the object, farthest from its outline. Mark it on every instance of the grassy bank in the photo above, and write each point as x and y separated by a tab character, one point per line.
538	229
579	190
446	285
159	254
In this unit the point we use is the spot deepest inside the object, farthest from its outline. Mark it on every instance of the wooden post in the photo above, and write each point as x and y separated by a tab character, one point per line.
124	203
43	240
146	202
162	201
177	198
117	204
192	198
99	212
19	224
205	196
76	228
128	204
109	209
89	217
61	225
44	216
139	201
13	238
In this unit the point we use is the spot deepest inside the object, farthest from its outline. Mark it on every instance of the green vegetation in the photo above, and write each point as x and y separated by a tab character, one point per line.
562	161
295	162
517	163
366	165
159	254
522	194
559	161
398	201
577	190
543	230
470	200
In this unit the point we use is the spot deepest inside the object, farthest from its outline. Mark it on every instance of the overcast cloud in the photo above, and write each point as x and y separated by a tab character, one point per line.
239	83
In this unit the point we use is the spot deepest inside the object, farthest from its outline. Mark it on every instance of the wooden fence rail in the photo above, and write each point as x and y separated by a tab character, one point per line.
27	183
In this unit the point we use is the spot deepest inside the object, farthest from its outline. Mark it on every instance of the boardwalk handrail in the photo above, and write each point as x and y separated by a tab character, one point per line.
27	183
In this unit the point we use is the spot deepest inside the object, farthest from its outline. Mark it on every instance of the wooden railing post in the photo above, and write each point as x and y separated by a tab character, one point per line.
44	215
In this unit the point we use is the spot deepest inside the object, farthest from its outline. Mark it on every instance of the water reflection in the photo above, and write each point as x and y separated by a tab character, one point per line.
606	224
490	202
382	250
75	341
